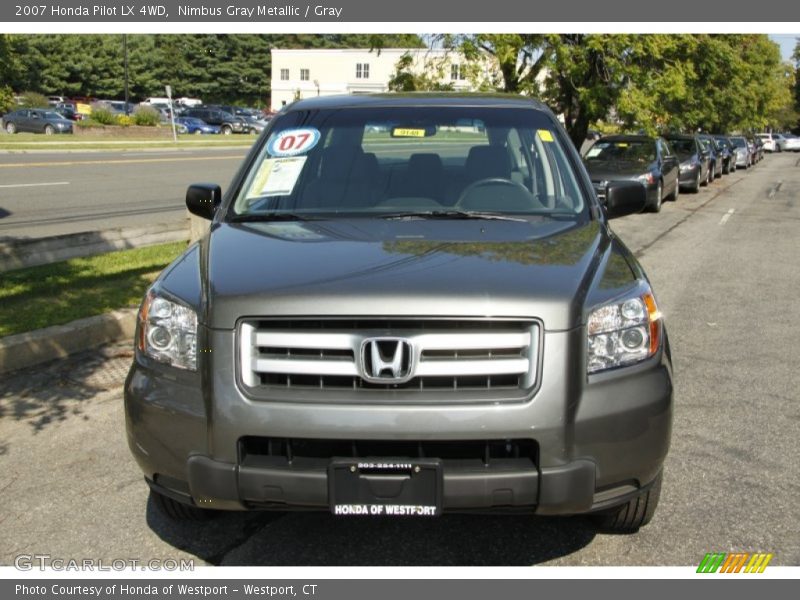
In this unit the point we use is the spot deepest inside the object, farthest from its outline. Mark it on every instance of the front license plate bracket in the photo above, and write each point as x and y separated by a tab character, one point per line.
385	487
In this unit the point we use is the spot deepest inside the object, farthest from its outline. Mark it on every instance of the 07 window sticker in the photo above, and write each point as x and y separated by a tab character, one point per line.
292	142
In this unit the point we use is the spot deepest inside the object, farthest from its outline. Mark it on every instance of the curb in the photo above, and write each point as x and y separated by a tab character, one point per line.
43	345
31	252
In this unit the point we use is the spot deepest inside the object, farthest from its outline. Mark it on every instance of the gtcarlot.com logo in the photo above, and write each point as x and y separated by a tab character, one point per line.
736	562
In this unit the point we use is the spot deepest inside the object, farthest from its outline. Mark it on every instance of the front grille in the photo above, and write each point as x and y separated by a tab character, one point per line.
459	357
285	451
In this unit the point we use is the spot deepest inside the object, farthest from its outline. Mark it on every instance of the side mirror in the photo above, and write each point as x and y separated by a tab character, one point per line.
625	198
202	199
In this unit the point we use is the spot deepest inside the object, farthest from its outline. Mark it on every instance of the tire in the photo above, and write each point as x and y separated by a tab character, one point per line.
659	191
178	511
712	173
697	182
226	130
198	132
49	130
635	513
677	192
253	131
11	128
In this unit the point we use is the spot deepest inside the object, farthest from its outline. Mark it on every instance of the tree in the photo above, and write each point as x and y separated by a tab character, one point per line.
426	77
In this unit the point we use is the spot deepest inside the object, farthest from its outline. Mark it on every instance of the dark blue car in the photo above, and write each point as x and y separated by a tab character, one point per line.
196	126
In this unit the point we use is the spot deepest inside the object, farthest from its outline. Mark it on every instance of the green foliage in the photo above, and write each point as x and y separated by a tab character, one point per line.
104	115
6	99
215	67
427	77
651	82
146	116
34	100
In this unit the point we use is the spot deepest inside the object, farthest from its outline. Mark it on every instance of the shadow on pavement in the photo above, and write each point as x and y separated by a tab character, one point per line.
58	390
317	538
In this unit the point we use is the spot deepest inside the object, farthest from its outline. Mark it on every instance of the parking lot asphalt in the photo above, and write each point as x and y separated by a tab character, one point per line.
724	267
46	194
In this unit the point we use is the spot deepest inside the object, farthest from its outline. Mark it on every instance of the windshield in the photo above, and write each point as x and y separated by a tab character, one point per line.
438	160
684	148
53	115
739	142
626	151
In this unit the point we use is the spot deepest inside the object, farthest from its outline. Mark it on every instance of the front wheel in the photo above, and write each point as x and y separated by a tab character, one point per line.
659	191
697	182
635	513
226	130
676	193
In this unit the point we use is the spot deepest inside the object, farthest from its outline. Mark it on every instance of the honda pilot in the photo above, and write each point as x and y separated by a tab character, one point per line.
404	306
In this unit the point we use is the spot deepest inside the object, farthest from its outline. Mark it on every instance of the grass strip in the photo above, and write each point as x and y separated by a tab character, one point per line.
61	292
32	141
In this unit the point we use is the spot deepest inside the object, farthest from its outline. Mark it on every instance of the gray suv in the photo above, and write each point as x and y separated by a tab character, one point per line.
405	305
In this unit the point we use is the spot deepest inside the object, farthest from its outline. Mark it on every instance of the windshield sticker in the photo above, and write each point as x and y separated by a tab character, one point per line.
276	177
407	132
621	144
291	142
545	135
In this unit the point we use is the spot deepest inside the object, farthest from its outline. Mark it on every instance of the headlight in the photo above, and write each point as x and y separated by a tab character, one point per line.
623	333
168	332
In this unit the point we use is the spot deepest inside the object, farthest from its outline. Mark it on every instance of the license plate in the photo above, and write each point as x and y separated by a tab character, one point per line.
384	487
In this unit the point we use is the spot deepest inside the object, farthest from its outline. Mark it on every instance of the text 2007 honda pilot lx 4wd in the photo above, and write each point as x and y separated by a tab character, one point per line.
405	305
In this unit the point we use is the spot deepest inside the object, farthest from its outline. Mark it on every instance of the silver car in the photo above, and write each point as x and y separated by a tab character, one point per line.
404	306
786	142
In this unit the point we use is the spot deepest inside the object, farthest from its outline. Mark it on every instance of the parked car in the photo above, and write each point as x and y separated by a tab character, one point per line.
68	113
753	148
448	326
196	126
743	157
768	141
226	122
695	161
728	152
716	156
36	120
786	142
647	160
759	144
254	125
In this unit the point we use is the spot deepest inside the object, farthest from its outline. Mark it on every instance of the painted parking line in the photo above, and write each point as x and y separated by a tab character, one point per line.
26	185
726	216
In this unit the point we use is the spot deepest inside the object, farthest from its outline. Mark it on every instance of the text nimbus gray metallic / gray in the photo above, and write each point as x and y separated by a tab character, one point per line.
232	10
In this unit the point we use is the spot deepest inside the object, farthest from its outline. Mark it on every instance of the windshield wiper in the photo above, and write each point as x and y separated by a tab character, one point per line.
452	214
270	216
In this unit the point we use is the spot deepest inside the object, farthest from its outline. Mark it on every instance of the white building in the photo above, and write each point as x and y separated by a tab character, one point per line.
325	72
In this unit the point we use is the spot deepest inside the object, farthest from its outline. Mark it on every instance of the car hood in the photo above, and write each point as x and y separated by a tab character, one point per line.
370	267
600	170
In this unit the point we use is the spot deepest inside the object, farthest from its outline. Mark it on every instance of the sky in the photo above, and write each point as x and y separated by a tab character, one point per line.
787	42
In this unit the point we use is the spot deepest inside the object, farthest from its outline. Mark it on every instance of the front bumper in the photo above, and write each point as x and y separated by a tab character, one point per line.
600	440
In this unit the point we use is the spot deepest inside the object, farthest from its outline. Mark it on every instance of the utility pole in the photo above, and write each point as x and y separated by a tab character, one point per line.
125	52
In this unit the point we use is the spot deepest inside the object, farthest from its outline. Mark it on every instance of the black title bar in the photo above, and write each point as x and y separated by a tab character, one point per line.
362	11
